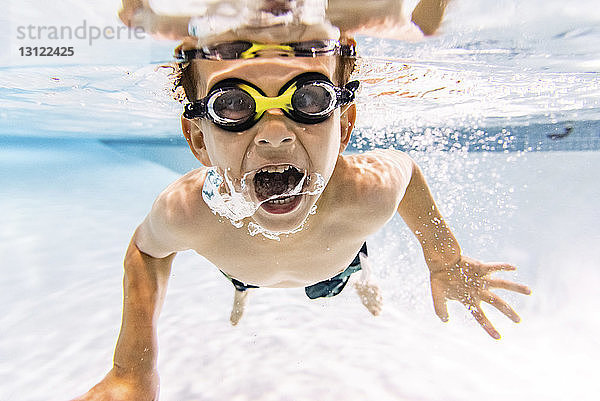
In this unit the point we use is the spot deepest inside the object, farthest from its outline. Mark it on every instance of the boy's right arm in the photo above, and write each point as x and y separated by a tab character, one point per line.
134	376
147	268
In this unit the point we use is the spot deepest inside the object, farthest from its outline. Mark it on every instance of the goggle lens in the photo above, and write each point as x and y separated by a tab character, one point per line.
314	46
313	99
228	50
232	105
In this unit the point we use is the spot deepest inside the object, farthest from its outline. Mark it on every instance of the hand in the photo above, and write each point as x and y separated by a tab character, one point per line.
130	8
468	282
139	14
120	387
386	18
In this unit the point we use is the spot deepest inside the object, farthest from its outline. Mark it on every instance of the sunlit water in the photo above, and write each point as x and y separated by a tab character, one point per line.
483	108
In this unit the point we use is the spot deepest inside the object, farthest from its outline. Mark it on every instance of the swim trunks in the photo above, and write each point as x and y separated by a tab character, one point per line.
323	289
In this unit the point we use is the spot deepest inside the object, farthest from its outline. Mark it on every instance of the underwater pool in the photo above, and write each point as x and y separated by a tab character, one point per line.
502	111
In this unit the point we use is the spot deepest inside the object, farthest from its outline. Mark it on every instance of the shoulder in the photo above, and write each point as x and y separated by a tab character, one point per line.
176	217
385	170
373	181
179	200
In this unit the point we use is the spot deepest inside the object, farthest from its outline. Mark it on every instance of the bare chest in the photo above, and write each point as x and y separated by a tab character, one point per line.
295	260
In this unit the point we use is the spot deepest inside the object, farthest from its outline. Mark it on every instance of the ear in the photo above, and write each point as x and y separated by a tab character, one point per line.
195	139
347	120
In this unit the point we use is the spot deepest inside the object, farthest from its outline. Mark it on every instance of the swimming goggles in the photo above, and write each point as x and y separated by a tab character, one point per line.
236	105
245	50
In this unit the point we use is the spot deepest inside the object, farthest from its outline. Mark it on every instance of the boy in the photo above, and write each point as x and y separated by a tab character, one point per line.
362	193
278	133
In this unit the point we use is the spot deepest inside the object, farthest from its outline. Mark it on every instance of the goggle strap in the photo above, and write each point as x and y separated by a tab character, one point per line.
347	50
195	109
347	94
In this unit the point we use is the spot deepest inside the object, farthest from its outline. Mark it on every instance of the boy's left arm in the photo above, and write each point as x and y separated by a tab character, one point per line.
453	275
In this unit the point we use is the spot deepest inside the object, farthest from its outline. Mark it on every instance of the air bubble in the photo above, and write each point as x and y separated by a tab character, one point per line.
231	199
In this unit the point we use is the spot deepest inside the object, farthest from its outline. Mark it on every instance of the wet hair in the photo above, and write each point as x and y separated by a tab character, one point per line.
185	80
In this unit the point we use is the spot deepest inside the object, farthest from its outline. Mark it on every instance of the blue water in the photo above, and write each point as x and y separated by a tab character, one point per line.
502	112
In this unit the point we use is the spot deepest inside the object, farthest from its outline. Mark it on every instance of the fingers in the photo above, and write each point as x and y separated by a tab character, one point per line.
439	303
509	285
128	10
501	305
483	321
495	267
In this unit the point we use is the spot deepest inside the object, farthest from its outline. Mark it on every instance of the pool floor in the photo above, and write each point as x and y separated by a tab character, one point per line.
69	208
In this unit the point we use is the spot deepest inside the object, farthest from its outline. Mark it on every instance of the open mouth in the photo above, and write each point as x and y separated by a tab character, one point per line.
276	188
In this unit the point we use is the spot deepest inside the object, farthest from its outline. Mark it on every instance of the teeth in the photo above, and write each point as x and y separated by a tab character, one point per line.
275	169
282	201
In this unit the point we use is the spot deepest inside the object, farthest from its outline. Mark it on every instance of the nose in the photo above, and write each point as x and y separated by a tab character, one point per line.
273	131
